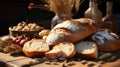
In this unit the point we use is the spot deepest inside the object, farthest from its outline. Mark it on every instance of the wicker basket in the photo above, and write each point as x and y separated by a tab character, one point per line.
26	33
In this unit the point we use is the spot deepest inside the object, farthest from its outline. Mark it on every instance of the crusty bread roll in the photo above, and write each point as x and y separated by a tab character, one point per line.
35	47
106	40
86	49
74	30
44	32
44	38
64	50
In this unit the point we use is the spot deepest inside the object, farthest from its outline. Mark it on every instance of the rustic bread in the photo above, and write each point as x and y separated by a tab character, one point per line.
44	38
86	49
44	32
57	36
35	47
75	30
106	40
64	50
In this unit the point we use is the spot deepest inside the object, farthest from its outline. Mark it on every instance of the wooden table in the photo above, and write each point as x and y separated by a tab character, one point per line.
22	61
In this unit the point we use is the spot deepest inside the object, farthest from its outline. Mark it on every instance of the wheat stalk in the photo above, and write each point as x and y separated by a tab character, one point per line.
60	6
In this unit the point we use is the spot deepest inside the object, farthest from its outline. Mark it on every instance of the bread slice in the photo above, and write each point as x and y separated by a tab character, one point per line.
53	54
86	49
35	47
67	50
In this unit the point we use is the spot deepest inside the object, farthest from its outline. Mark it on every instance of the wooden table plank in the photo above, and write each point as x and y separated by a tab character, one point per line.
7	58
17	61
22	62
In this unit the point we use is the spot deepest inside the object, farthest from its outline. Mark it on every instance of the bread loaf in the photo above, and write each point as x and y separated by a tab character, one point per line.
106	41
58	35
74	30
35	47
86	49
64	50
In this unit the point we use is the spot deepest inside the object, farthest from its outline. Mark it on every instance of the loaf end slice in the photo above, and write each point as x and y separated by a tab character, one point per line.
35	47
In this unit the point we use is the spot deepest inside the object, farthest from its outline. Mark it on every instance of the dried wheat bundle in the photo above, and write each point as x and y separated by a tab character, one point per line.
60	6
63	6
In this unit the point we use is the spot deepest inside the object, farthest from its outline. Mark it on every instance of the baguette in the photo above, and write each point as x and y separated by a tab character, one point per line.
57	36
35	48
75	30
86	49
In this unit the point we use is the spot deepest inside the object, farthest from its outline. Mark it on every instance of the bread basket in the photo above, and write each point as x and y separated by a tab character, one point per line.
15	33
26	29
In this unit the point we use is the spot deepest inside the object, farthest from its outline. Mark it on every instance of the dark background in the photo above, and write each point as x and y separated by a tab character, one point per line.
14	11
